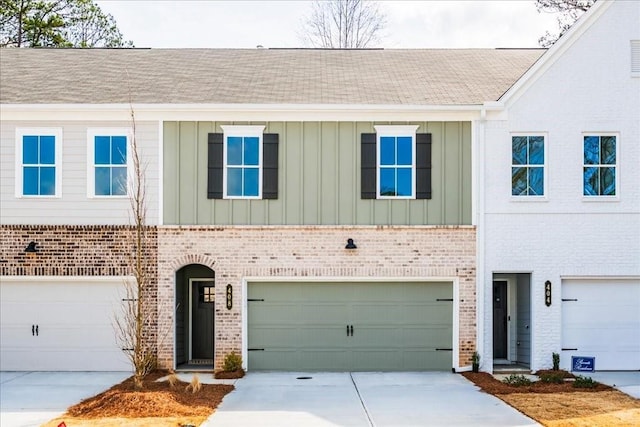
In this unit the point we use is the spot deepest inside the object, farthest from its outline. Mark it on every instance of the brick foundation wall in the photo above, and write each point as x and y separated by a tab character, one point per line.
238	252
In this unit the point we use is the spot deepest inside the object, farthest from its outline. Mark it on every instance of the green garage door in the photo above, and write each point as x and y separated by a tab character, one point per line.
350	326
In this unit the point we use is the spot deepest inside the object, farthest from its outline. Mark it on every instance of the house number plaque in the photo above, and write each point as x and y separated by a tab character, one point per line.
547	293
229	297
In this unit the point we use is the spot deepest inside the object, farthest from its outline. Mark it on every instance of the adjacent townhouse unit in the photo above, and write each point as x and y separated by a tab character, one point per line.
323	209
559	230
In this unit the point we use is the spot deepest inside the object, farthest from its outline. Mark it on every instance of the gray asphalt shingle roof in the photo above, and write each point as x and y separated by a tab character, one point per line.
260	76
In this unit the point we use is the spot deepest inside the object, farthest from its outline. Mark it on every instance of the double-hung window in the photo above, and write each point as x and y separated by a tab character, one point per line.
107	162
38	159
242	163
599	165
527	165
396	163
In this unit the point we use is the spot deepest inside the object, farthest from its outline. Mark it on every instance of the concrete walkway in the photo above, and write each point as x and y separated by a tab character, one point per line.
32	398
362	399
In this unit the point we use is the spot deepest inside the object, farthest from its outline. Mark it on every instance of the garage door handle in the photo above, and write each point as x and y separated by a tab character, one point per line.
351	330
33	330
36	330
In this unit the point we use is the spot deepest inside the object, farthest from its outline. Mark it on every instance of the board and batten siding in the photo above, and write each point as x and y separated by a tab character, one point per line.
74	207
319	178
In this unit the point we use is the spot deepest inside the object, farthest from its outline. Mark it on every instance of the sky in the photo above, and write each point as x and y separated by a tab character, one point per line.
278	24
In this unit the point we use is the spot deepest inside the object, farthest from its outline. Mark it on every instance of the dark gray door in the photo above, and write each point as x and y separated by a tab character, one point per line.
500	319
202	304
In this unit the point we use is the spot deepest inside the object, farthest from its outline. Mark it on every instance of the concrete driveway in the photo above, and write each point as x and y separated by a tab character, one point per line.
362	399
33	398
627	382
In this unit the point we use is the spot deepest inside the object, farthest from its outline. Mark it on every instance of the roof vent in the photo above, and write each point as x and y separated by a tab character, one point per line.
635	58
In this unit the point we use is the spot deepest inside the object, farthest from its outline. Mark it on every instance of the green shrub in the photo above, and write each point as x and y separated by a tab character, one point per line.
475	361
232	362
552	377
556	361
517	380
584	382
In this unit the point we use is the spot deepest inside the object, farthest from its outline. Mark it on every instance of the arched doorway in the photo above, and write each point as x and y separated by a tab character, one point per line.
195	311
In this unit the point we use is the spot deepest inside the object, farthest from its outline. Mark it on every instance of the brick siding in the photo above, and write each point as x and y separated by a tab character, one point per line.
238	252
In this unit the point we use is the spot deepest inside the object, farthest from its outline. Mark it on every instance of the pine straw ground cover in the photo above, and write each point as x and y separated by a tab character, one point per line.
159	404
562	405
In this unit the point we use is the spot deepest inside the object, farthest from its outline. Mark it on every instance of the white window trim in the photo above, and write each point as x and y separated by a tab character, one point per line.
91	177
545	166
57	134
600	199
396	131
244	131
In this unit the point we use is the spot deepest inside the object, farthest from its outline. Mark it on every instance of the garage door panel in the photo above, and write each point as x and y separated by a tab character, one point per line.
274	312
395	326
376	313
324	314
601	319
428	337
74	320
429	313
324	360
376	336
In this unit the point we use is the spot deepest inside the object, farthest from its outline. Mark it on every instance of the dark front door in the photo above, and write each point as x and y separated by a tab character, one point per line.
202	304
500	319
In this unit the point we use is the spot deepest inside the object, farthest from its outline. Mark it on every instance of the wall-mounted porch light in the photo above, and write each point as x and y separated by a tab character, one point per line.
31	247
350	244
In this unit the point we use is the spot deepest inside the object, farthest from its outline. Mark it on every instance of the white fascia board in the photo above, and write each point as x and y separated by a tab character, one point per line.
554	52
239	112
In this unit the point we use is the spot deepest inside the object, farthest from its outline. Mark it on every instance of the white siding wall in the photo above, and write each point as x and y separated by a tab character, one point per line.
74	207
588	89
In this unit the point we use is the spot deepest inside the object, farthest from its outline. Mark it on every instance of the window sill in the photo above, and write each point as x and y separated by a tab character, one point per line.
600	199
21	196
529	199
241	198
109	197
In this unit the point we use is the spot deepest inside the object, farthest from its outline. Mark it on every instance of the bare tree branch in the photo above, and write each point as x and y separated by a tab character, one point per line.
343	24
569	11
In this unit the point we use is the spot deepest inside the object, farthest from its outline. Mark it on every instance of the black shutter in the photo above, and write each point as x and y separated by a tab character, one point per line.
270	166
368	166
215	164
423	166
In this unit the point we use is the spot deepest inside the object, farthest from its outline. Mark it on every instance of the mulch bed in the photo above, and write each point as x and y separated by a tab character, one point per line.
491	385
229	375
156	399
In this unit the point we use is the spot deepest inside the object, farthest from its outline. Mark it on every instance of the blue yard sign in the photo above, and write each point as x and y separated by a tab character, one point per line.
583	364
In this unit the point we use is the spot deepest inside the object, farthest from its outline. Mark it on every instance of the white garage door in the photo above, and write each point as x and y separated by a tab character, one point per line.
601	319
60	325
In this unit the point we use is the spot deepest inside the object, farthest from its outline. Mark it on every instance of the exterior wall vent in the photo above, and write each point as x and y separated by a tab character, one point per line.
635	58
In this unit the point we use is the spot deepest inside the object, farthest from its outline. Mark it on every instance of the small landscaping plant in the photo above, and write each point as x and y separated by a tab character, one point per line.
585	382
232	362
195	385
552	377
475	361
231	367
172	379
556	361
517	380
